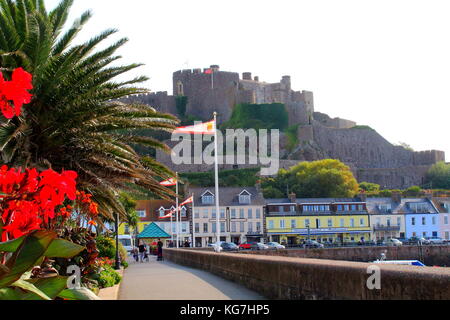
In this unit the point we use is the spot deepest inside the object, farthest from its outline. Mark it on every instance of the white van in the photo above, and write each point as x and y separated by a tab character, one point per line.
127	242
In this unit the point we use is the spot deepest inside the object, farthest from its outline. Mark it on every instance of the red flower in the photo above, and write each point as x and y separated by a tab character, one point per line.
16	91
23	219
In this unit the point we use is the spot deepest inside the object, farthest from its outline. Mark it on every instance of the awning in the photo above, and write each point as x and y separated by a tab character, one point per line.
153	231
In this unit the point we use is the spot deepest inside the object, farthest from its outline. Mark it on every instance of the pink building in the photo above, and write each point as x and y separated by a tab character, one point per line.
443	205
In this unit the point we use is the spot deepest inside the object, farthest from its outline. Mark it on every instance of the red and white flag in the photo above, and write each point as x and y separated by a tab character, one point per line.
168	183
188	200
209	71
168	215
201	128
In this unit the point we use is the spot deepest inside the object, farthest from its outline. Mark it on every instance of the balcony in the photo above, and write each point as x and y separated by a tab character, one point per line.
382	227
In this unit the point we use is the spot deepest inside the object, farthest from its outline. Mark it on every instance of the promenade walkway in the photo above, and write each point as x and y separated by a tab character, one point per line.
157	280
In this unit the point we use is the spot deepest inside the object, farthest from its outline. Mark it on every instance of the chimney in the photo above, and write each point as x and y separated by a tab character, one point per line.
257	79
247	76
396	197
362	197
293	197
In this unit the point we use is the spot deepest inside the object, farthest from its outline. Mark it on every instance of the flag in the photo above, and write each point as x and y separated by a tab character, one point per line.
201	128
188	200
209	71
168	215
168	183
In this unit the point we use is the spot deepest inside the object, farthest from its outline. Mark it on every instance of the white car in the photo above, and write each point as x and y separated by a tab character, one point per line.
275	245
394	242
216	246
435	240
259	246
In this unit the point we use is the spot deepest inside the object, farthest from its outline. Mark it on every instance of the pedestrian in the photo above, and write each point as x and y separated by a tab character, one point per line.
171	244
141	252
136	254
160	250
186	244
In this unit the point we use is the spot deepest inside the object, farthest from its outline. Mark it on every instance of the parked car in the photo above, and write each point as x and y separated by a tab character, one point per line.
394	242
275	245
435	240
246	245
312	244
229	246
259	246
381	242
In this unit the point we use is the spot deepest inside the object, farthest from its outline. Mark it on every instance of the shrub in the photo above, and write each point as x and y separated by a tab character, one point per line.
108	277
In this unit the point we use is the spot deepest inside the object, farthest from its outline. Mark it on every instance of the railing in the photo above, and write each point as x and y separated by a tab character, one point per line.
381	227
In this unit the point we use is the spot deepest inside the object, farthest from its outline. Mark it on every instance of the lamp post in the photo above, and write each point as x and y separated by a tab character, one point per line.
116	222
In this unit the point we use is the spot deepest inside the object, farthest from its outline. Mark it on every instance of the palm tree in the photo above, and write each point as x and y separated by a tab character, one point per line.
76	120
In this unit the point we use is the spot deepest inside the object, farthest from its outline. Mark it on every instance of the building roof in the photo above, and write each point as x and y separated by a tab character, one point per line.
228	196
402	207
439	204
313	200
153	231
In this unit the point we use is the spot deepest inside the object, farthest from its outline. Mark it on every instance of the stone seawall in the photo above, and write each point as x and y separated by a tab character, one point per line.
431	255
290	278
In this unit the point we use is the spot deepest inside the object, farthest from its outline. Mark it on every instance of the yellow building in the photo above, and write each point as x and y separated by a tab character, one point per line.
293	221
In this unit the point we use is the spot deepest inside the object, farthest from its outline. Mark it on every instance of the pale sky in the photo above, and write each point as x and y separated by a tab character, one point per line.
381	63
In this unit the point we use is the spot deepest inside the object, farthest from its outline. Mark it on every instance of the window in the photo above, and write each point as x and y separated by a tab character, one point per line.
388	222
214	213
342	223
208	198
258	226
433	219
250	213
414	234
244	197
205	228
180	88
318	223
250	227
434	233
307	223
214	227
346	207
353	207
184	227
241	213
360	207
222	227
413	221
293	224
127	229
233	213
445	219
205	213
271	224
222	213
282	225
197	228
258	213
142	213
362	222
242	227
330	223
183	211
293	209
399	221
352	223
447	235
233	226
378	221
339	207
196	213
424	222
424	234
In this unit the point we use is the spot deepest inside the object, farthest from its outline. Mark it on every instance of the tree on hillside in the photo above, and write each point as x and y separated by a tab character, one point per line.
74	121
323	178
439	176
369	187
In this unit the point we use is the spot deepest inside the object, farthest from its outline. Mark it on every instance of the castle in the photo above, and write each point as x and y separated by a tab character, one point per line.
371	157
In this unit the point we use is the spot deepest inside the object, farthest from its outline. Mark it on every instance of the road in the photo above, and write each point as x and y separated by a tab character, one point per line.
157	280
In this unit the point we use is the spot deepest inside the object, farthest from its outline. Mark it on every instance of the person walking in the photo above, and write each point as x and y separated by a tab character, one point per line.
141	252
186	244
160	250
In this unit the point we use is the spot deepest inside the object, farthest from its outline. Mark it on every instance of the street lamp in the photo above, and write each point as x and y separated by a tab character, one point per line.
116	222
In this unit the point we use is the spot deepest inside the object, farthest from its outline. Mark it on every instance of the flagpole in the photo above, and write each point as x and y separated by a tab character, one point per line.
176	211
216	167
193	221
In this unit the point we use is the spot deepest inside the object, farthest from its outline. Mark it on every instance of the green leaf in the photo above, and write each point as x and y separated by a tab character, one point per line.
78	294
60	248
11	246
9	294
28	286
49	286
30	253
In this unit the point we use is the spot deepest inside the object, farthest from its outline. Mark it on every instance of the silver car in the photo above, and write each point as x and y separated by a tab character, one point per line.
275	245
